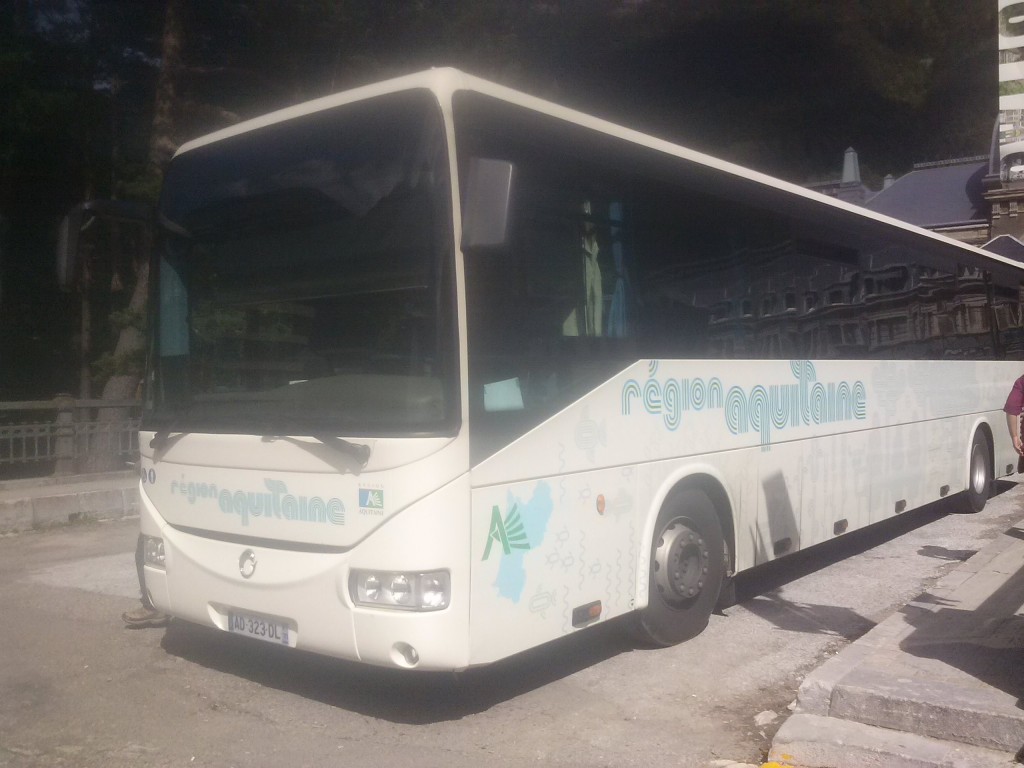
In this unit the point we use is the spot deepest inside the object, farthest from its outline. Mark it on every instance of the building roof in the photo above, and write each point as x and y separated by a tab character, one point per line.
1006	245
935	195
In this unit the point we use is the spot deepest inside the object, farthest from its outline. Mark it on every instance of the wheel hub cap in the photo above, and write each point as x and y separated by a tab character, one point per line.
978	471
680	562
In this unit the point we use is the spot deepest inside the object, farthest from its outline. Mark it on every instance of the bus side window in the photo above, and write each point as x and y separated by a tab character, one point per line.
550	318
602	309
619	310
587	317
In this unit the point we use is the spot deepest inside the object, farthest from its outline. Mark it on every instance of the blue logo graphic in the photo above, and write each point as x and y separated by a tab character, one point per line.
371	498
522	529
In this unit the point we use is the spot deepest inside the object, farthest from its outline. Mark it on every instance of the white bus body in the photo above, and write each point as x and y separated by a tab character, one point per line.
293	532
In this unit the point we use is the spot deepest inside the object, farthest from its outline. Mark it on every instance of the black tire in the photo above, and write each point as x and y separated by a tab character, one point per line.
979	473
686	570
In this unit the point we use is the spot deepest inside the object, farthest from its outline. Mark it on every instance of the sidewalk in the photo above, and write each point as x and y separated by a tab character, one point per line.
46	501
938	683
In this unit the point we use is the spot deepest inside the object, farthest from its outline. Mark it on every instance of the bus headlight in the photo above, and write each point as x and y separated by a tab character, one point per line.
424	591
153	551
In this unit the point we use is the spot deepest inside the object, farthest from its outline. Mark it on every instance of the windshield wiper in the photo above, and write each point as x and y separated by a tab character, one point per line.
356	452
162	440
359	452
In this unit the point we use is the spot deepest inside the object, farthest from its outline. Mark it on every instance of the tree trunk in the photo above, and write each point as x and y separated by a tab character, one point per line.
111	423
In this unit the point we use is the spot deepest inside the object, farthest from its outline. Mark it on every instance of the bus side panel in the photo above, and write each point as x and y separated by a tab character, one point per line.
897	469
544	548
805	450
916	464
836	490
944	442
780	482
1004	456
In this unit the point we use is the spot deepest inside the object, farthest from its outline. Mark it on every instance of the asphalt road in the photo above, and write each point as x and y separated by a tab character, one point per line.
77	689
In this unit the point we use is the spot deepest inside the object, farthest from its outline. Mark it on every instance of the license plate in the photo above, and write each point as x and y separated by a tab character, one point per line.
262	628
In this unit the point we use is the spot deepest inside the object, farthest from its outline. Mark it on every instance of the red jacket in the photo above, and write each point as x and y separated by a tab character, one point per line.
1015	402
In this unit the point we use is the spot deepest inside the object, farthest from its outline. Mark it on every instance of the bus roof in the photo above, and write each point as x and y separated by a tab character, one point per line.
444	81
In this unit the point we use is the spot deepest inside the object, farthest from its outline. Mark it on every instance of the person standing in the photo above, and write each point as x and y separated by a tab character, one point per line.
146	615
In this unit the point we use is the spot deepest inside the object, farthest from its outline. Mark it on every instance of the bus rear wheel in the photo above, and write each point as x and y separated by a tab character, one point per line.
686	570
979	478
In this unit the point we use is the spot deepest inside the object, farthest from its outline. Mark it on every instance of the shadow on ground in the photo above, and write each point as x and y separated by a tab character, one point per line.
985	642
809	618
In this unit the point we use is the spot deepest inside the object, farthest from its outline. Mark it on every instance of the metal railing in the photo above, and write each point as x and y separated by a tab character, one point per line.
63	431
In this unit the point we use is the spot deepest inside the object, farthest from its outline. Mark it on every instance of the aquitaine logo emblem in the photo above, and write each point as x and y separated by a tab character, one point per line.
509	532
371	498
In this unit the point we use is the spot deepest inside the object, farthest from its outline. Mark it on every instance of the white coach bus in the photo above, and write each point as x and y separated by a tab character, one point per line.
441	372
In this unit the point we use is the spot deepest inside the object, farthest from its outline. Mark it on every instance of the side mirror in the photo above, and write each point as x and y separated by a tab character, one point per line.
80	217
487	203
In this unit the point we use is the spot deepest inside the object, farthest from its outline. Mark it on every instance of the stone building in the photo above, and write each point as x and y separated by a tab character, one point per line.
891	302
971	199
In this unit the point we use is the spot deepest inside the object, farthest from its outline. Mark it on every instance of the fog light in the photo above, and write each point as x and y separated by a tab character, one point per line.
153	551
434	592
401	590
425	591
371	588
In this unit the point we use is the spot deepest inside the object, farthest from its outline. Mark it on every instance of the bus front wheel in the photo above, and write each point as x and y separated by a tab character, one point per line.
979	479
686	570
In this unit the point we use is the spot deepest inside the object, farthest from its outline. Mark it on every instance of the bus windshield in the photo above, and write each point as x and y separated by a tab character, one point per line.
303	278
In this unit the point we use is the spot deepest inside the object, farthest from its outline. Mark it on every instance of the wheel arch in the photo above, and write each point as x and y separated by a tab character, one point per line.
710	481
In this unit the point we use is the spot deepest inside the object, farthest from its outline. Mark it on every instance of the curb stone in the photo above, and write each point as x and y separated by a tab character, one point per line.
27	505
828	742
